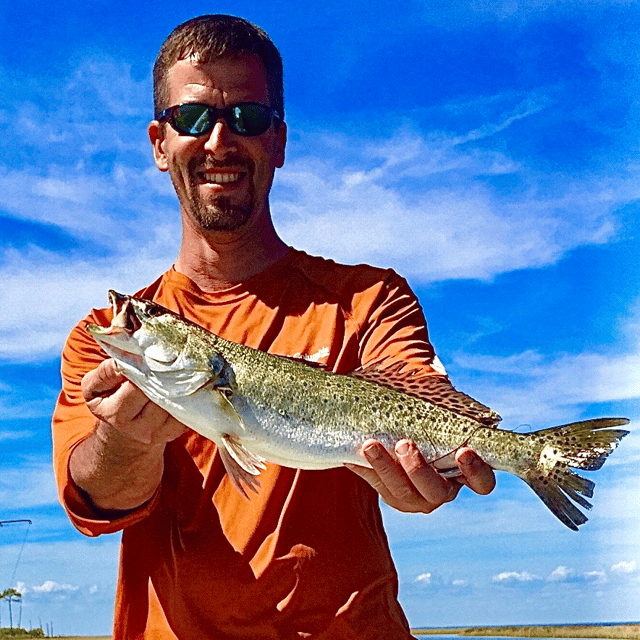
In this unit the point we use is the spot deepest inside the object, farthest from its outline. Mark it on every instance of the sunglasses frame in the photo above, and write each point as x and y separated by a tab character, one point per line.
214	113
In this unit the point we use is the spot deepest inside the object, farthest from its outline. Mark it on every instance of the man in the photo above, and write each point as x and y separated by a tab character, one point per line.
306	556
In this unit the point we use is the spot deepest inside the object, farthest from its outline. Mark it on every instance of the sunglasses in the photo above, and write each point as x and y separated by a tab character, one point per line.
245	118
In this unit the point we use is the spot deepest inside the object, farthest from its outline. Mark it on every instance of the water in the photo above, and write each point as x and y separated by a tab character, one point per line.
456	637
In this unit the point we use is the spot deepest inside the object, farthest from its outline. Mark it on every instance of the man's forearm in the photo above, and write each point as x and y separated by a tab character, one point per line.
117	472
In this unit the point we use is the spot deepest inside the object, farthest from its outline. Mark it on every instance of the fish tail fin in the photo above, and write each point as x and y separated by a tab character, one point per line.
555	493
579	445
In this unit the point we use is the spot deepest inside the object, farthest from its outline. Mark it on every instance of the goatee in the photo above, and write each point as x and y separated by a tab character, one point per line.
220	213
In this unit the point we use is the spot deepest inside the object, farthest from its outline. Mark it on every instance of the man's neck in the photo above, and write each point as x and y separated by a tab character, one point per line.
216	260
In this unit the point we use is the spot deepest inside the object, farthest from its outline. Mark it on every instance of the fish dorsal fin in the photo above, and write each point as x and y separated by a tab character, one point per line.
435	389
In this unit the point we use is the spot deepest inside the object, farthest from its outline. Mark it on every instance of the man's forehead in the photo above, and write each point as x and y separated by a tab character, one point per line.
235	67
226	74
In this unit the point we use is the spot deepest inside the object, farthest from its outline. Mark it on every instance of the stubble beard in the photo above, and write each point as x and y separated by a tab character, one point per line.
220	213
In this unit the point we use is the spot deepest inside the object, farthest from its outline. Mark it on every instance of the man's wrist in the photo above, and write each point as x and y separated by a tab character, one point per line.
123	443
115	472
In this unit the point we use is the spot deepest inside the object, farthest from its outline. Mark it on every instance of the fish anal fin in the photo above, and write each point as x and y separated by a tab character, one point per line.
435	389
241	465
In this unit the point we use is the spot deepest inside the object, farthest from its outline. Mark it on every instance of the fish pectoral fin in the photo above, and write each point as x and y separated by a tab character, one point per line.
241	465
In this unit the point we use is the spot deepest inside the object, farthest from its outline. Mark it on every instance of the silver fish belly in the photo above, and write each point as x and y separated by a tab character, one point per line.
259	408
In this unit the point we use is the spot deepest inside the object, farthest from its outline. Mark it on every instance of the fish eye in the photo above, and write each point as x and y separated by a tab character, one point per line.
154	310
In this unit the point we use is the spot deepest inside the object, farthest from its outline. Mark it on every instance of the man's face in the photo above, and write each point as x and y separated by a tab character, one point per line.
222	179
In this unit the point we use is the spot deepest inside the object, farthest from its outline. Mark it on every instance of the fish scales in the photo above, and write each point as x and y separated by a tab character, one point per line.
337	411
258	408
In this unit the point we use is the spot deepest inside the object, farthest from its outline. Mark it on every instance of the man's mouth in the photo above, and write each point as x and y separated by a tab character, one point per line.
222	177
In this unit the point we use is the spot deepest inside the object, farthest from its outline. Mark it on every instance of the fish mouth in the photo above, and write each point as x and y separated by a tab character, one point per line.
124	324
125	318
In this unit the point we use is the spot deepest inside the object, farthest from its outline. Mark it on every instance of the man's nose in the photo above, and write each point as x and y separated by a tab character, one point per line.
220	140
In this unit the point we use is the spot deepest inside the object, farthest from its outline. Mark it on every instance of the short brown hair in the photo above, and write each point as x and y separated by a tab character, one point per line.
210	37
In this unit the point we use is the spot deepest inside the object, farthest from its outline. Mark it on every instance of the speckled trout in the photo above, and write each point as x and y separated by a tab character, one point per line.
258	407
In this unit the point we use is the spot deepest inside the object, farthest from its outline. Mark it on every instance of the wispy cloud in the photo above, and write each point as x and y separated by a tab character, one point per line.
429	206
538	389
530	386
425	203
565	574
27	483
20	401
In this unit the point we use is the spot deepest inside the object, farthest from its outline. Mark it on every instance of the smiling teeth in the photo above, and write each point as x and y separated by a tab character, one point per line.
222	178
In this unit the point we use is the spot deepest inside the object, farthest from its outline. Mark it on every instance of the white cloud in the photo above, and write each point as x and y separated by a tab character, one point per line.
424	578
564	574
511	577
66	288
453	223
15	435
595	577
531	385
561	574
460	583
421	202
21	587
625	568
50	586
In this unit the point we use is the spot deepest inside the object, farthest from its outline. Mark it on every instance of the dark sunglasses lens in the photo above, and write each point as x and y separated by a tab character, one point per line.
192	119
249	119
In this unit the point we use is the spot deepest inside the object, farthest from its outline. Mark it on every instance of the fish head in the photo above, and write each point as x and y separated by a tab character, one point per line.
150	345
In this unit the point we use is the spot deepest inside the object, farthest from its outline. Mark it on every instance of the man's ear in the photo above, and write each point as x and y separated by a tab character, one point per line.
156	135
281	143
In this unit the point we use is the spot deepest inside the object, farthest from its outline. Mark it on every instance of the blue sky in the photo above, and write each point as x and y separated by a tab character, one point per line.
488	151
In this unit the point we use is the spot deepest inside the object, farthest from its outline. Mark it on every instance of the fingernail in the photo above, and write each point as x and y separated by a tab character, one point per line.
467	458
372	451
403	447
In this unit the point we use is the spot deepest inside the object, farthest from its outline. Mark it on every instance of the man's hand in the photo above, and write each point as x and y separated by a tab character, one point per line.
118	403
408	483
120	465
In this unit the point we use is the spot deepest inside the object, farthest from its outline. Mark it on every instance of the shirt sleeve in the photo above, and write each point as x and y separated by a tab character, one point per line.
395	331
73	422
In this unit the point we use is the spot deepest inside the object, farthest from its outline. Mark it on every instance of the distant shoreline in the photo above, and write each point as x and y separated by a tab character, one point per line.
613	631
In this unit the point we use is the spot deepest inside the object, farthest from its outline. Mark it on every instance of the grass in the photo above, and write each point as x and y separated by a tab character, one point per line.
613	632
605	632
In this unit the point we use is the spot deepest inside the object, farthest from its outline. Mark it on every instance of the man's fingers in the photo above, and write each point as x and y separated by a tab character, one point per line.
388	470
101	381
383	475
110	396
428	482
477	474
370	476
405	482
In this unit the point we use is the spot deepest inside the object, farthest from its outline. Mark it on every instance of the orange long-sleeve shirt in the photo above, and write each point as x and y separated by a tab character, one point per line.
308	553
